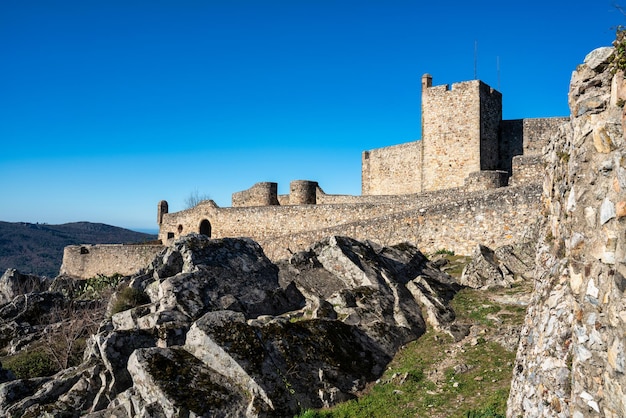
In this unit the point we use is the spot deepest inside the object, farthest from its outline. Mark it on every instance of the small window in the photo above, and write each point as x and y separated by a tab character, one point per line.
84	250
180	229
170	235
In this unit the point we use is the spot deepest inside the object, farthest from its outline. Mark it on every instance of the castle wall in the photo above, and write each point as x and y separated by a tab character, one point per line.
261	194
485	180
450	134
265	221
490	118
537	133
86	261
494	218
525	136
527	169
392	170
261	222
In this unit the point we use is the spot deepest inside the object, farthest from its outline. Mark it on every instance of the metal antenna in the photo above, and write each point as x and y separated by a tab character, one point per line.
475	60
498	70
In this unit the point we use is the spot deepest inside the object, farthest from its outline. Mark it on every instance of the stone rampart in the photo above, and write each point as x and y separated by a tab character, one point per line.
396	169
261	194
450	134
266	221
525	137
86	261
263	222
527	169
493	218
484	180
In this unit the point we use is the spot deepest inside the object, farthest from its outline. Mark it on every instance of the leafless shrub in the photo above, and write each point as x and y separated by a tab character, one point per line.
69	327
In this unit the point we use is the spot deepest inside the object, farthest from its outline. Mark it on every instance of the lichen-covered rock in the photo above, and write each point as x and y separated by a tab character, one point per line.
13	283
197	280
173	383
387	291
571	352
228	333
483	271
289	364
500	268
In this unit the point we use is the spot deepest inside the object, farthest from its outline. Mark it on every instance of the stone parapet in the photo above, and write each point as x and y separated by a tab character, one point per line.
261	194
86	261
485	180
494	218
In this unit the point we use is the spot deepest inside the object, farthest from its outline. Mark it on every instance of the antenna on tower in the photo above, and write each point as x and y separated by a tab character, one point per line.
475	60
498	70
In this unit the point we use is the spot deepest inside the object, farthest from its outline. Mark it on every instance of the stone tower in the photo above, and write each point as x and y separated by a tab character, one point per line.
459	131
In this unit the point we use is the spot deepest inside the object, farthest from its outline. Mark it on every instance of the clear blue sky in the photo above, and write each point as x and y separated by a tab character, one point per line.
107	107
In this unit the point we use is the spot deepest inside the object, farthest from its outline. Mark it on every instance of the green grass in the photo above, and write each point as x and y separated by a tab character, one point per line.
128	298
416	384
29	364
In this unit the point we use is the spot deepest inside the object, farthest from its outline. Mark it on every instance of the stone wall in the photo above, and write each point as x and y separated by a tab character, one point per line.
527	169
525	137
86	261
266	221
263	222
396	169
571	361
451	134
261	194
493	218
489	119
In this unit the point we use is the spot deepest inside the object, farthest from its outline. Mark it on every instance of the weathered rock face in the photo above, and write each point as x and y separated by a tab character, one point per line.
571	360
13	283
500	268
229	334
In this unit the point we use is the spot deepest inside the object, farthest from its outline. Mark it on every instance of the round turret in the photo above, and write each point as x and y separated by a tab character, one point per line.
303	192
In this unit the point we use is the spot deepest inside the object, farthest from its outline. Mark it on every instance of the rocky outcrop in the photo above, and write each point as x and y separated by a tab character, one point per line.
500	268
571	359
228	333
14	283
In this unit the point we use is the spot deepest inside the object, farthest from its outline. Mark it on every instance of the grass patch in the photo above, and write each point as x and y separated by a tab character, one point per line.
128	298
436	378
471	306
29	364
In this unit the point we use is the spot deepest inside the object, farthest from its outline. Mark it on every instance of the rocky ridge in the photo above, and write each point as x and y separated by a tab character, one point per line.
228	333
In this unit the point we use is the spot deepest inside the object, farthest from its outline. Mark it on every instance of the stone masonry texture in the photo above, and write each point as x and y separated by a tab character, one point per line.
86	261
571	359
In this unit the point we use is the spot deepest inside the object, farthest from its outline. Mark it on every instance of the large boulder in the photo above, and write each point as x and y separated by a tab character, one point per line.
225	332
197	275
13	284
500	268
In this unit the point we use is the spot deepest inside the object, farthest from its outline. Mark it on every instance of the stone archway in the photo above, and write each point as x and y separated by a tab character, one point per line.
205	228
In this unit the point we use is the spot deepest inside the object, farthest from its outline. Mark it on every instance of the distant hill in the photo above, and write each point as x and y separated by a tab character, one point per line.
38	248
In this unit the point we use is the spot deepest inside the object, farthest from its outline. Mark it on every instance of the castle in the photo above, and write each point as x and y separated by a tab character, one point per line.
472	178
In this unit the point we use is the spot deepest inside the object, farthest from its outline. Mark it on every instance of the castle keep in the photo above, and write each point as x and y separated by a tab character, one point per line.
471	178
464	142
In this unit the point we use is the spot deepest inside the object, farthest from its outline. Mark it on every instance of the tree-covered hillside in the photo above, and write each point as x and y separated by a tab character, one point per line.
38	248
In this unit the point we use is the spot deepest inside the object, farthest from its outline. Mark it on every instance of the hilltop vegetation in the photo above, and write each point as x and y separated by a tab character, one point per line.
38	248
